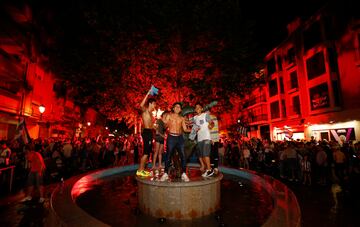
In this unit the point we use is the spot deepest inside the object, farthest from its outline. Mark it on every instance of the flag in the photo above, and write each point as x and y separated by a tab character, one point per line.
214	132
153	90
22	133
243	130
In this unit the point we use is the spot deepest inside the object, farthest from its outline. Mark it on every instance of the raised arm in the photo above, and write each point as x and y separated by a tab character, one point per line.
142	104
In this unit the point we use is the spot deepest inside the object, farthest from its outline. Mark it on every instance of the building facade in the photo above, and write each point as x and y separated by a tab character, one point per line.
26	84
313	79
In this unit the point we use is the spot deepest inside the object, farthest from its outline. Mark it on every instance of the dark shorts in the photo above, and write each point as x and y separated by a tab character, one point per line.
34	179
159	139
204	148
147	136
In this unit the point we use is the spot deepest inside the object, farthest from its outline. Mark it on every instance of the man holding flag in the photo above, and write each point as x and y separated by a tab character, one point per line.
23	135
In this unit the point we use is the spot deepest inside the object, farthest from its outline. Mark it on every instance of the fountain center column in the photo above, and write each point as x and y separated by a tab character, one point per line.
179	200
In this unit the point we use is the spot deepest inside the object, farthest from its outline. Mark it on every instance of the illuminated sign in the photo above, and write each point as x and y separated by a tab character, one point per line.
319	97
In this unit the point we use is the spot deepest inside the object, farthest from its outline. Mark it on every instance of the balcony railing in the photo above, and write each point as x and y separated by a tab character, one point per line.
254	100
257	118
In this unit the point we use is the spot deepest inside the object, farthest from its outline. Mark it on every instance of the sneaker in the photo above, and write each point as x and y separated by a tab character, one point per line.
41	200
143	173
208	173
164	177
139	172
26	199
216	171
184	177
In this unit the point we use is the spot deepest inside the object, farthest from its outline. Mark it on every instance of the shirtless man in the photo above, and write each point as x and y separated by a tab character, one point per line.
147	133
176	124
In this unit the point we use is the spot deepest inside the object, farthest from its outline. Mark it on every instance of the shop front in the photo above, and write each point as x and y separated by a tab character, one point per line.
340	132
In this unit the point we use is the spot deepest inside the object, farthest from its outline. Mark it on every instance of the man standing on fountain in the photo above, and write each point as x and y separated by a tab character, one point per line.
204	124
175	140
147	133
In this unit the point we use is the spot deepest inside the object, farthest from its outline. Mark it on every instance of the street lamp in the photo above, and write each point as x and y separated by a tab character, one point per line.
41	110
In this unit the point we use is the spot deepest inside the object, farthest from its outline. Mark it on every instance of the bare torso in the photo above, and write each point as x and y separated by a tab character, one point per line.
147	119
175	123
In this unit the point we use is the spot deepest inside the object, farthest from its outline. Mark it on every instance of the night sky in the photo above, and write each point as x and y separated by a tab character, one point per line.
268	18
69	20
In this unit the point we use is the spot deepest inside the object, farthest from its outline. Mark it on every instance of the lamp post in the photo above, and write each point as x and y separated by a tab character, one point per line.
41	110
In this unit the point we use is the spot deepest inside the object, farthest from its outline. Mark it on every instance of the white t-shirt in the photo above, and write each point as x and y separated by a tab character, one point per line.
204	132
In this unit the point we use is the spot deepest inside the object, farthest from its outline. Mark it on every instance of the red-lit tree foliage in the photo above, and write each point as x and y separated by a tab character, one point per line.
111	53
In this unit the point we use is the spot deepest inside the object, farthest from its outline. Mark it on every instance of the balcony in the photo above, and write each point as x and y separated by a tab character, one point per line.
254	100
256	119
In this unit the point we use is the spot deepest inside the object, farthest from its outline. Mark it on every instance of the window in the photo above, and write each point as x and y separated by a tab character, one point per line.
273	89
275	110
315	65
283	108
312	36
293	80
291	56
319	97
296	105
281	85
271	66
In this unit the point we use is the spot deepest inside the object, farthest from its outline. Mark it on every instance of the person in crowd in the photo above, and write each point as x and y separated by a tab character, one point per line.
306	170
215	141
321	162
291	161
35	177
246	157
5	154
339	162
136	150
159	141
221	150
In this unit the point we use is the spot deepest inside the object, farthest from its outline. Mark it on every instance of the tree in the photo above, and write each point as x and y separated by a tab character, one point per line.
111	53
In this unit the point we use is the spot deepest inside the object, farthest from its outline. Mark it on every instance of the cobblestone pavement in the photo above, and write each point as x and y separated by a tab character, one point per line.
320	206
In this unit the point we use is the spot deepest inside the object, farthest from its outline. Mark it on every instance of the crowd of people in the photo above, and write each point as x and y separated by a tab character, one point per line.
63	158
53	159
307	162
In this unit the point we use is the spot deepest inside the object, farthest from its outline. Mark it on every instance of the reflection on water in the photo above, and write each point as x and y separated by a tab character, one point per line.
114	201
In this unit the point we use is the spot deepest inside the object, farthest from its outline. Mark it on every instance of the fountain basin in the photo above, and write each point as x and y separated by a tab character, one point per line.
66	212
